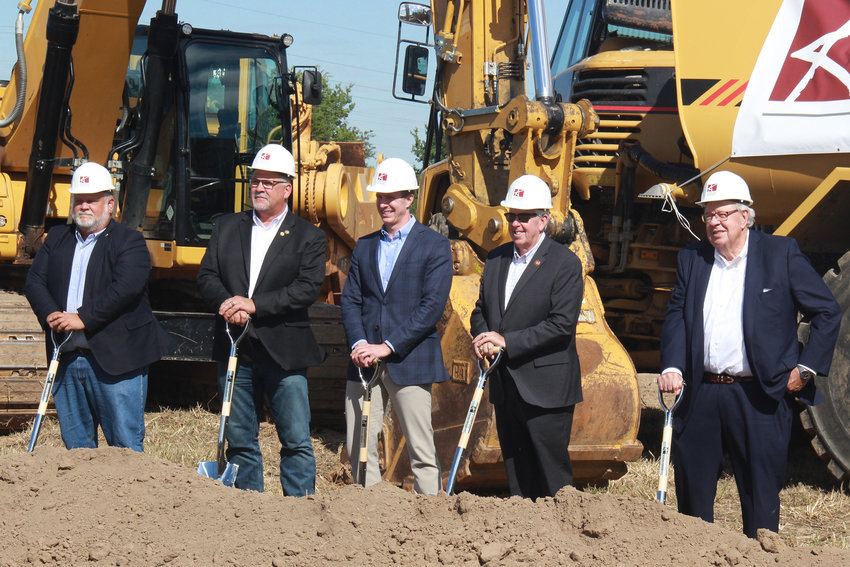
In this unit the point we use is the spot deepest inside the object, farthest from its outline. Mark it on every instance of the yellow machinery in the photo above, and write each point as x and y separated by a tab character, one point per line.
177	114
495	133
669	80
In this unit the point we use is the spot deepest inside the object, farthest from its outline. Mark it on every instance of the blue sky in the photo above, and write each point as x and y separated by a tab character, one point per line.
353	42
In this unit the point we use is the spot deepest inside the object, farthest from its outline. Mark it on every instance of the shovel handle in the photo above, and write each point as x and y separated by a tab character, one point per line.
666	443
366	410
52	369
470	417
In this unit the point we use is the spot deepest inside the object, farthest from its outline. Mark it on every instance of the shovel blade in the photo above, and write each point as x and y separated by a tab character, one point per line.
210	470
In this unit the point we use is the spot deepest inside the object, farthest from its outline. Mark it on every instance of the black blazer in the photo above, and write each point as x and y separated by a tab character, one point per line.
289	282
778	283
121	331
539	324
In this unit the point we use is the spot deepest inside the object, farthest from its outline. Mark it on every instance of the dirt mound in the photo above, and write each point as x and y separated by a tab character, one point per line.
116	507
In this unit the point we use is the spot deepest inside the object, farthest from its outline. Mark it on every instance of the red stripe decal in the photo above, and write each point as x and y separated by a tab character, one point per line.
735	94
637	108
719	92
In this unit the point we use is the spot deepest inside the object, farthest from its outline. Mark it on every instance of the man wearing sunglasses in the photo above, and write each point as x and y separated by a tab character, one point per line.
267	264
528	305
731	334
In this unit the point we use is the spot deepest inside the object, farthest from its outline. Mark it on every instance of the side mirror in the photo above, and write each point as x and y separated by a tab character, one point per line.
311	86
415	70
413	13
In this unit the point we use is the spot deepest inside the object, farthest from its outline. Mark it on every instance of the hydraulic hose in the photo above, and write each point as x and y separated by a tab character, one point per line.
22	72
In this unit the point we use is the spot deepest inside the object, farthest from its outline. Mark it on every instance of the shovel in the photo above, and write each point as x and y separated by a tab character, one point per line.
221	469
470	417
666	439
48	387
363	454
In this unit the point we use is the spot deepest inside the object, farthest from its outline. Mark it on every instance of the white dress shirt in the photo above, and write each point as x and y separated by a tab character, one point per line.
518	265
723	316
261	239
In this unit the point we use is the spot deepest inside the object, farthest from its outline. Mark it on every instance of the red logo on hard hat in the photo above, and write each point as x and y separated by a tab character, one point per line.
815	67
84	179
382	177
265	156
518	193
711	188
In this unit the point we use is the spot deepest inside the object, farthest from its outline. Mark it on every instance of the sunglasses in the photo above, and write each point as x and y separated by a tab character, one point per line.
521	217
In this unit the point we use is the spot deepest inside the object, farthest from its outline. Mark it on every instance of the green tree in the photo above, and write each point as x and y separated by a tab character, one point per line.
330	119
418	149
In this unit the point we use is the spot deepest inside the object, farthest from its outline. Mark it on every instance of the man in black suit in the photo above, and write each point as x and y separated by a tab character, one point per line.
268	265
731	332
529	305
90	278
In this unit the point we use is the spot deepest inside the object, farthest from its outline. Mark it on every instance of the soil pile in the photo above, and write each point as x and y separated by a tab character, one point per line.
115	507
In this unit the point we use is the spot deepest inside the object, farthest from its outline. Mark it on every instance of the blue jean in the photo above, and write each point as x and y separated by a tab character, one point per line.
287	395
87	397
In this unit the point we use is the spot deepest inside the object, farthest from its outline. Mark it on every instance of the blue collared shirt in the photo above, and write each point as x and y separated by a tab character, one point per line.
79	268
389	249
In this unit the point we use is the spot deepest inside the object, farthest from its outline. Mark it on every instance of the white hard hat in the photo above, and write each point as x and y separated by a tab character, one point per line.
393	174
527	193
275	157
91	178
725	186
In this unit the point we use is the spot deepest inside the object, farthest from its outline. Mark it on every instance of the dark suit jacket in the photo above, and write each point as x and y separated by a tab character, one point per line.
289	282
121	331
539	324
779	282
406	314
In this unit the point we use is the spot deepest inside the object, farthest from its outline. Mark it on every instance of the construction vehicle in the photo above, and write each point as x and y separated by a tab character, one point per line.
677	87
176	114
495	133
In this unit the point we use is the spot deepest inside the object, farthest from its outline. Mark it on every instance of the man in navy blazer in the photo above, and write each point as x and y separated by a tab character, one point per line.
394	296
731	334
529	305
90	278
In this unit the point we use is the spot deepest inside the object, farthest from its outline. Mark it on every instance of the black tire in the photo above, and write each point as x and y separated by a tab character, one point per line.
829	422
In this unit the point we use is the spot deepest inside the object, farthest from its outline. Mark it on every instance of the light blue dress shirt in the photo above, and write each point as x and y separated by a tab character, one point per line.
79	268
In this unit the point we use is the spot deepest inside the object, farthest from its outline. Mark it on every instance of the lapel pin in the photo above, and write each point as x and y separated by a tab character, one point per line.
285	233
537	262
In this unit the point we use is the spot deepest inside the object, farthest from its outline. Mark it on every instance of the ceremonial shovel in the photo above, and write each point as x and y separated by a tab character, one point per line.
48	387
221	469
470	418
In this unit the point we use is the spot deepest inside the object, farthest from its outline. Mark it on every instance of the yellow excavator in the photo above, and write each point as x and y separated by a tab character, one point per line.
683	88
176	113
493	133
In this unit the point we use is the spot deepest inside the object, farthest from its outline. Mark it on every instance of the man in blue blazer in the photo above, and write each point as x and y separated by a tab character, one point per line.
394	296
90	278
731	334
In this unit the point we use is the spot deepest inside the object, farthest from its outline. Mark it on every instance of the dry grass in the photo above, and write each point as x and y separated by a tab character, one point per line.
815	510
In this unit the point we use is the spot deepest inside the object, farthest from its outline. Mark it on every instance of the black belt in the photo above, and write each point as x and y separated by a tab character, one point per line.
78	351
724	378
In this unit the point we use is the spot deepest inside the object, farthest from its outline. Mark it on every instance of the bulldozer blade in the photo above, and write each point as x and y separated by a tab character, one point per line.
209	469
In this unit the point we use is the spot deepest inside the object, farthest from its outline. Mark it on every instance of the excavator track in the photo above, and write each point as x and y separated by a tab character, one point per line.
829	421
23	366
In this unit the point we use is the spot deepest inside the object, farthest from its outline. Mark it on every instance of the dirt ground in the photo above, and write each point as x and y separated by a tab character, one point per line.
115	507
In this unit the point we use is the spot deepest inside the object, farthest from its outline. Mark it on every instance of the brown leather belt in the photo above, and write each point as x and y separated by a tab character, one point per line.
724	378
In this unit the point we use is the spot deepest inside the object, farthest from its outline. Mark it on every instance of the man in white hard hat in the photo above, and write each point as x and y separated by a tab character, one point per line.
267	264
394	296
731	334
528	305
90	278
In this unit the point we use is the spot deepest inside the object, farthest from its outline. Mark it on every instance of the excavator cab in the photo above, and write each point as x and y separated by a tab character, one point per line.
220	110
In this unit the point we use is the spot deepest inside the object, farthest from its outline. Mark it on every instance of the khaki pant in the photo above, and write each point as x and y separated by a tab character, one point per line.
412	405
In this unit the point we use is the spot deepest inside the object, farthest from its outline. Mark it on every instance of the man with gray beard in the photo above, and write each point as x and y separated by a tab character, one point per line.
90	278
